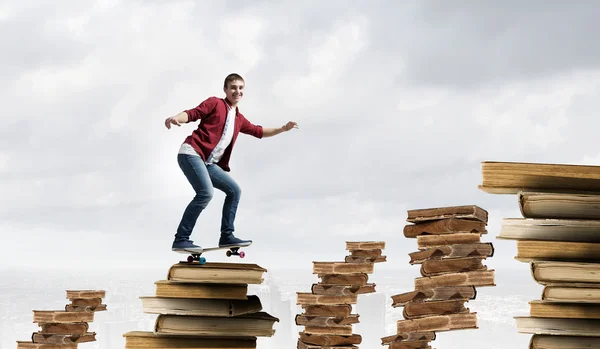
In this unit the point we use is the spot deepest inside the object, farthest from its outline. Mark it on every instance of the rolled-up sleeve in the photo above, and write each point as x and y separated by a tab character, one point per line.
251	129
203	109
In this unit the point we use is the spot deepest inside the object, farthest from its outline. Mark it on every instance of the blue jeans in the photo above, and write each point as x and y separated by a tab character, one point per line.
203	178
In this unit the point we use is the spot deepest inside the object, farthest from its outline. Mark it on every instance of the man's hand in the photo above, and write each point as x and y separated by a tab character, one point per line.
290	125
270	131
171	120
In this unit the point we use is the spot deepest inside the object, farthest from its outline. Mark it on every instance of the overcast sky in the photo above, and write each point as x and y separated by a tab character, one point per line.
398	103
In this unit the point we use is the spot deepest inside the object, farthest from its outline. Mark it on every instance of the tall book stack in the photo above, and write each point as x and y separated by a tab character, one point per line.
205	306
451	255
66	329
558	235
327	310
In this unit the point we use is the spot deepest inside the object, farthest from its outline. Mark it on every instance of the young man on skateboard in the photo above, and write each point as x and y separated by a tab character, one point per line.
204	159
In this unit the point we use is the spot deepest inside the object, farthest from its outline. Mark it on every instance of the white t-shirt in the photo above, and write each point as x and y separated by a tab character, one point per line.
224	142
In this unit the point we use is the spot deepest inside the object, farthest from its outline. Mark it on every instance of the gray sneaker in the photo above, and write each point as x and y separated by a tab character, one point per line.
227	240
185	245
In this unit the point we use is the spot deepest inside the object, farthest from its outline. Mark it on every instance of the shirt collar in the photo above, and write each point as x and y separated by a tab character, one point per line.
229	105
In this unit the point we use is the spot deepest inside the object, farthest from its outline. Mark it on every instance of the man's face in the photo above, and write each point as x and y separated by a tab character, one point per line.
234	91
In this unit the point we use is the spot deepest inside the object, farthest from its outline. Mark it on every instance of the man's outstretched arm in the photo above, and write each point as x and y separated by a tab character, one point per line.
270	131
178	119
201	111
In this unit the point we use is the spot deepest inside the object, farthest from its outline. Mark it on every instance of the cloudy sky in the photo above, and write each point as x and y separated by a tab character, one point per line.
397	102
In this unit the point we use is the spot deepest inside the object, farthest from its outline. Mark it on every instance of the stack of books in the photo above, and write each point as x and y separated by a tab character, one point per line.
205	306
66	329
451	255
327	310
558	235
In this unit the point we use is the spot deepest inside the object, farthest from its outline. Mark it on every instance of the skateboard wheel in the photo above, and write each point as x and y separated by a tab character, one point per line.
190	259
228	253
202	260
242	254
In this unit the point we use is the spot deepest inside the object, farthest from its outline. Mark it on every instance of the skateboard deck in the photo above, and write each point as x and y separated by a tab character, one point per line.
195	255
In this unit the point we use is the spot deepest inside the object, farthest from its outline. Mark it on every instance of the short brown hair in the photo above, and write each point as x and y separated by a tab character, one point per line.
232	77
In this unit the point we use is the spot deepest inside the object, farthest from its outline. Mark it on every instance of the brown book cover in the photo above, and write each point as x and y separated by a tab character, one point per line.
341	290
567	230
79	328
559	205
330	340
445	226
30	345
85	294
357	279
249	325
560	272
61	316
528	250
434	267
342	268
538	308
150	340
342	310
409	337
428	241
92	302
365	245
174	289
85	308
571	293
435	294
326	321
414	310
557	326
439	323
471	278
215	272
512	177
485	249
53	338
432	214
542	341
302	345
345	330
201	307
410	345
355	259
305	298
367	253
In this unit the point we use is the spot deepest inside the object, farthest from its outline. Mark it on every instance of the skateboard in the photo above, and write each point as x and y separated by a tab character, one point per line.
197	256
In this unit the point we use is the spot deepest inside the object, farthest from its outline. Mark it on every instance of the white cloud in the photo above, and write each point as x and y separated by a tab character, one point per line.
238	44
77	25
496	121
125	111
54	85
347	215
107	4
327	58
6	12
4	162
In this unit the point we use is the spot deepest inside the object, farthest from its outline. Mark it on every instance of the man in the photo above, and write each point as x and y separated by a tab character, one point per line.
204	159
